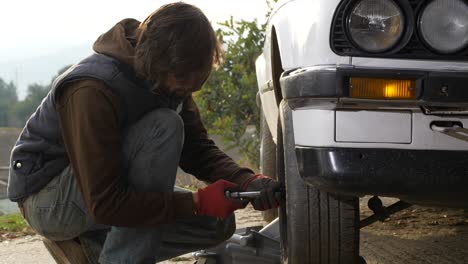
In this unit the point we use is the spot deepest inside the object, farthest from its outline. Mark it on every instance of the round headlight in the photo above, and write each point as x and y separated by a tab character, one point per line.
444	25
376	25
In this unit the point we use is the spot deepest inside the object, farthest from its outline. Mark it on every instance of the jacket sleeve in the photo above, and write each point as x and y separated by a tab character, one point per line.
200	155
89	118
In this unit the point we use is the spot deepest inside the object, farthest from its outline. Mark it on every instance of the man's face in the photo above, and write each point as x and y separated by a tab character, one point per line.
183	86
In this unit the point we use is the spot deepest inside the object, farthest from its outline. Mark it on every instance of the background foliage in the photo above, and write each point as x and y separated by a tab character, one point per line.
227	102
15	113
8	99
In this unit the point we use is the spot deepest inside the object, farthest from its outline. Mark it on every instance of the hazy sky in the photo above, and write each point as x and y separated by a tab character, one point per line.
38	27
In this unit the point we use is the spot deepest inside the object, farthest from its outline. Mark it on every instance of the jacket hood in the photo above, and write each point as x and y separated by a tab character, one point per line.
119	42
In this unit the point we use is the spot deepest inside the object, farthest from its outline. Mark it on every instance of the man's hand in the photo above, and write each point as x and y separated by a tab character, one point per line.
210	201
267	187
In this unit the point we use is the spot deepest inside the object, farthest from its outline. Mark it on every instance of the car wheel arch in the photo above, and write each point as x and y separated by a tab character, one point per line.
276	65
271	97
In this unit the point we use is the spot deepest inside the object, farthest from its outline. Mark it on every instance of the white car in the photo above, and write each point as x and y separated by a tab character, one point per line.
362	97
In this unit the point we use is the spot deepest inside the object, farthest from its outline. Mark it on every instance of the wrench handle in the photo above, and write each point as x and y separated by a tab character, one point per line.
248	195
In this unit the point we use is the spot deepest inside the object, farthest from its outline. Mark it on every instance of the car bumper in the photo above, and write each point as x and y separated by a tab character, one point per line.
427	177
404	158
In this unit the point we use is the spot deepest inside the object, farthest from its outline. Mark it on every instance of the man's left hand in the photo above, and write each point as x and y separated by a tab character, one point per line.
267	187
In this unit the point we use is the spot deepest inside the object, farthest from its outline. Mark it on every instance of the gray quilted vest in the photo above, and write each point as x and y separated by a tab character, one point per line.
39	154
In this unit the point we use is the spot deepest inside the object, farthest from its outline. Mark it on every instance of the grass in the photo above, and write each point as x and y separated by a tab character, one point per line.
15	129
13	226
12	223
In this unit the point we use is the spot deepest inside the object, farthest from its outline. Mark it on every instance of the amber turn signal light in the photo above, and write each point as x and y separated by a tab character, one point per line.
388	89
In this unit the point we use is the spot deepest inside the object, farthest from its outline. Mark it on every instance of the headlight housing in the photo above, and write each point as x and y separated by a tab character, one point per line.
375	25
443	25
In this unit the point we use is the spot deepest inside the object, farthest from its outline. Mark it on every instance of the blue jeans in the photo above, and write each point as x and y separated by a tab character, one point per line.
152	148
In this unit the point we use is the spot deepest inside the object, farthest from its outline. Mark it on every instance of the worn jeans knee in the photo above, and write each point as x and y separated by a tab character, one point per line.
54	217
152	148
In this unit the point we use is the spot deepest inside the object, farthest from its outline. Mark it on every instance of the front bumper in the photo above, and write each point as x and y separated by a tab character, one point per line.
427	177
405	158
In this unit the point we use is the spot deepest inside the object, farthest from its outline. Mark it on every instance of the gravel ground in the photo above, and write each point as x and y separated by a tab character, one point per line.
26	250
30	250
416	235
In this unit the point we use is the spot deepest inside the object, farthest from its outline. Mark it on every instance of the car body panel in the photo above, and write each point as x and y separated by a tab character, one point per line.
301	31
318	128
299	25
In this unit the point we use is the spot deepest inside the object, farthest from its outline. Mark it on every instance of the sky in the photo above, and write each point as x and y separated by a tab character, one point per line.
39	37
33	28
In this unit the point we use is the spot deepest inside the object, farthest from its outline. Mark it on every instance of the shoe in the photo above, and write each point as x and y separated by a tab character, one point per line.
66	252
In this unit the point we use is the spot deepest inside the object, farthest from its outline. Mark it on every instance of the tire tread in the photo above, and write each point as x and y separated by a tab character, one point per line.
325	227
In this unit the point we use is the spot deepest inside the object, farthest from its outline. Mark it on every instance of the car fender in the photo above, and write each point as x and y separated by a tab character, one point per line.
301	29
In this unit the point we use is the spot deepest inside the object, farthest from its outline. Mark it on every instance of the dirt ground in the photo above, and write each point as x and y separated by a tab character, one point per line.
30	250
416	235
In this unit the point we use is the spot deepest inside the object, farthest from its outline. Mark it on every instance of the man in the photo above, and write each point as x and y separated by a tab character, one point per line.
97	161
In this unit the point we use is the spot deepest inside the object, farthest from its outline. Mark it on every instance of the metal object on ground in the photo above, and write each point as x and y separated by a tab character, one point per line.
203	254
381	212
241	240
246	246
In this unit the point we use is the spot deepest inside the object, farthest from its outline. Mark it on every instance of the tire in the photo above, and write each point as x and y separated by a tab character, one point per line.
316	226
267	161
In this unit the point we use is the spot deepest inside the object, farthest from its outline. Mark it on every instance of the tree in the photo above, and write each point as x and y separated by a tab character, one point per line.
227	101
36	93
23	109
8	99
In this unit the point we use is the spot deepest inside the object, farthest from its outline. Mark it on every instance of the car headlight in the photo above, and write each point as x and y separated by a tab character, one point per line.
444	25
376	25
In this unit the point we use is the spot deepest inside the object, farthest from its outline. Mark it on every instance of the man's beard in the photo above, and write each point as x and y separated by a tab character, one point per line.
167	97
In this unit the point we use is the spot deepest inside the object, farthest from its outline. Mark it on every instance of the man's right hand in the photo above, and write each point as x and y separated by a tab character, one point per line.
210	201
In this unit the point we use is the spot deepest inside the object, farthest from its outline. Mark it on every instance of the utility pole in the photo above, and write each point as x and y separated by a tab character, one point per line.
17	81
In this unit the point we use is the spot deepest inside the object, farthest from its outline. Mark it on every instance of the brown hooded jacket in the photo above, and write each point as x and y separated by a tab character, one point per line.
89	116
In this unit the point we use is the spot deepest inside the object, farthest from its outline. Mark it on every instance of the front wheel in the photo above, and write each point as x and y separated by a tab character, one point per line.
316	226
322	227
267	161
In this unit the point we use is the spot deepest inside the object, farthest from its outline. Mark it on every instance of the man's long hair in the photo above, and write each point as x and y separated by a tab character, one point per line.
177	38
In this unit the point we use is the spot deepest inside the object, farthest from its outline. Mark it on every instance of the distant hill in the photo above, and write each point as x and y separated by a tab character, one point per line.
41	69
